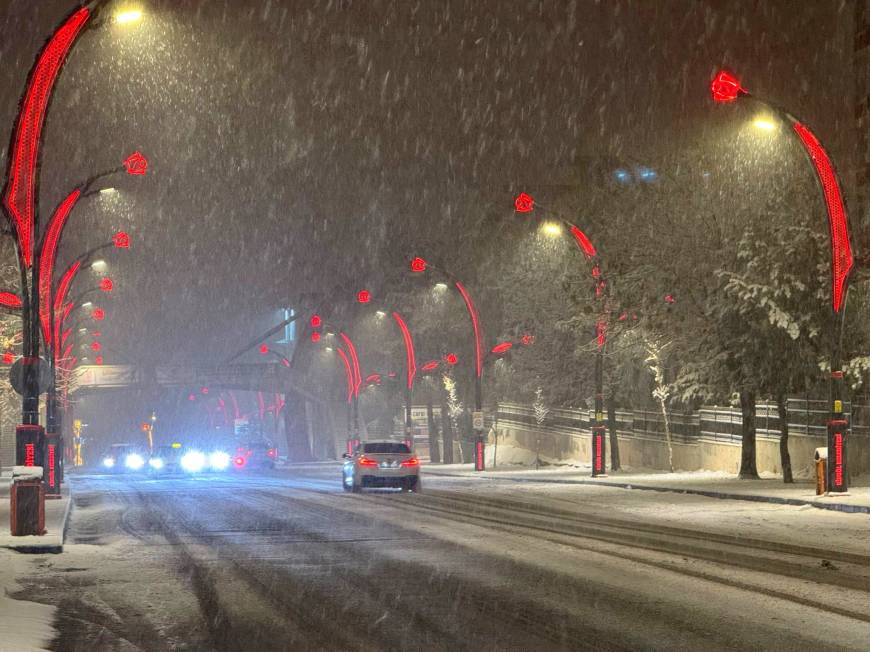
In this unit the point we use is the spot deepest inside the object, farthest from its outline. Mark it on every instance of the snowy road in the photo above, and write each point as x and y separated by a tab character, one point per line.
288	561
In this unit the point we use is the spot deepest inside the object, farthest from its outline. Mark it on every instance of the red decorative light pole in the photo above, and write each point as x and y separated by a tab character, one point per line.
726	88
352	405
420	265
602	291
20	199
37	247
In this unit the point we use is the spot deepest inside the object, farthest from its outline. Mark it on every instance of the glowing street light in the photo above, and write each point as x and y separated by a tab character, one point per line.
551	229
128	16
765	124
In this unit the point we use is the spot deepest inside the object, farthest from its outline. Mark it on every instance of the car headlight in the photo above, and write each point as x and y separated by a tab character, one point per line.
134	461
219	460
193	461
156	463
108	462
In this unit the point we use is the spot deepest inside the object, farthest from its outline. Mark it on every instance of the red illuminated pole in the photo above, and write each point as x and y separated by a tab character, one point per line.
365	297
419	265
20	201
726	88
350	360
54	313
524	203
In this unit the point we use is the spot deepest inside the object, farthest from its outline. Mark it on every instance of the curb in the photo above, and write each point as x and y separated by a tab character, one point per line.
66	513
722	495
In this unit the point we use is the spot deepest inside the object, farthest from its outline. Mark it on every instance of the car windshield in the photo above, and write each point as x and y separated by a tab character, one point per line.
386	447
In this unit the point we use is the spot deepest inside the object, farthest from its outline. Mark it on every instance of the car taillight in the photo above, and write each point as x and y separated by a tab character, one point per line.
411	462
365	461
239	461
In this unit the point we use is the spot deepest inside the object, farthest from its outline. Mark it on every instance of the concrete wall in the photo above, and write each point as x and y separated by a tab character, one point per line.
565	438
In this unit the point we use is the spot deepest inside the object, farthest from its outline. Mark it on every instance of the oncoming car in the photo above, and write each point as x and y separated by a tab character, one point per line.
123	458
189	460
381	464
166	459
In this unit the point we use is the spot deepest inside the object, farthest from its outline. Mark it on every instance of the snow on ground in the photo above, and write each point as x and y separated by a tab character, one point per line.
799	525
23	625
512	456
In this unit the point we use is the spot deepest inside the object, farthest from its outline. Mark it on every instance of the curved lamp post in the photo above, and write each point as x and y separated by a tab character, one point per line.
726	88
364	297
419	265
20	200
524	203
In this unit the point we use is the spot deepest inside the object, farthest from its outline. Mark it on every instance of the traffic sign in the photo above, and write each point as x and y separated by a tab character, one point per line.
477	420
16	374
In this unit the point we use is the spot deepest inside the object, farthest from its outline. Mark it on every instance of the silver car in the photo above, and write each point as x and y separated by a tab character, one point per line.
381	464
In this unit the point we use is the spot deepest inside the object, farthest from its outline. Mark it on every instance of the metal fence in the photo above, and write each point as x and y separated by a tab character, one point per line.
711	423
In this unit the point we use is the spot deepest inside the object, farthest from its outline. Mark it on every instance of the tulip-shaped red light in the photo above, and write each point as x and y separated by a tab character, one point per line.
451	359
121	240
136	164
99	314
107	285
96	346
264	349
99	359
316	321
528	339
363	296
8	357
725	87
418	265
523	203
315	337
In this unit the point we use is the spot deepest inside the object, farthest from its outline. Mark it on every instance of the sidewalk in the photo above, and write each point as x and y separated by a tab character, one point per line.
56	516
714	484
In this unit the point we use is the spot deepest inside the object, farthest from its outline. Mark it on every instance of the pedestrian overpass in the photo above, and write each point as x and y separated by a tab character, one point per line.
259	377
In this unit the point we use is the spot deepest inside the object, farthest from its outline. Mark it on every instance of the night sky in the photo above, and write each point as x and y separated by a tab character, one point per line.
295	145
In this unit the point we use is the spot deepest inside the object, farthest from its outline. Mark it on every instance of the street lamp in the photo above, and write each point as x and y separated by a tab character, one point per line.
419	265
365	297
56	311
726	88
524	203
20	200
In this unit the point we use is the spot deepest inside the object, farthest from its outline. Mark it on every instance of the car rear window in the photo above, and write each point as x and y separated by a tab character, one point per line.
386	447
